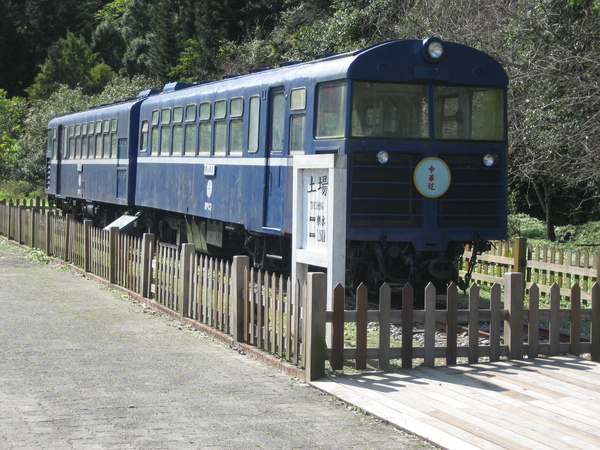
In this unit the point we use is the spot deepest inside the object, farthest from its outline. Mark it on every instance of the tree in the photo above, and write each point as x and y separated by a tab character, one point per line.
555	120
71	62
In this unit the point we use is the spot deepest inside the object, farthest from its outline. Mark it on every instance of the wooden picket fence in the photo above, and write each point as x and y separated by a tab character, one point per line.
543	266
277	315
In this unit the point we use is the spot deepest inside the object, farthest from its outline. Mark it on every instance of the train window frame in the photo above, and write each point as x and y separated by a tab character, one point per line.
220	127
99	146
205	111
107	146
236	126
114	144
465	122
78	141
164	148
155	117
71	144
189	109
177	139
154	140
91	145
144	136
178	114
330	120
298	99
165	116
390	110
278	110
297	125
205	128
84	142
189	145
114	125
253	123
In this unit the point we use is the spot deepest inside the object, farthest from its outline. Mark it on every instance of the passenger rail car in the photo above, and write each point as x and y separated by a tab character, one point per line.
422	122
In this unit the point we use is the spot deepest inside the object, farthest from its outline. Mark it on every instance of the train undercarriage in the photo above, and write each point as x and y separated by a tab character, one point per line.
372	263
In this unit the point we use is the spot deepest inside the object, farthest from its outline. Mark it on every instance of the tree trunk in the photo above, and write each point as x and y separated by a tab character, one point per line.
543	191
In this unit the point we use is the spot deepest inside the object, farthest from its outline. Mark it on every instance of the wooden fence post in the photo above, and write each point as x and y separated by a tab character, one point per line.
19	236
9	220
48	232
595	334
68	231
520	254
514	290
87	245
315	313
147	256
187	251
238	287
32	225
113	233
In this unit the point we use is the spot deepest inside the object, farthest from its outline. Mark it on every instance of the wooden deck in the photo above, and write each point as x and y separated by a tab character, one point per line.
529	404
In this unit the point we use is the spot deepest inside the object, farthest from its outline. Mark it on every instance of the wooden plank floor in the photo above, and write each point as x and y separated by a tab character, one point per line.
545	403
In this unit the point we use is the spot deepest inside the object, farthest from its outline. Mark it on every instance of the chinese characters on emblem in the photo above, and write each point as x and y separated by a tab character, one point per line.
431	183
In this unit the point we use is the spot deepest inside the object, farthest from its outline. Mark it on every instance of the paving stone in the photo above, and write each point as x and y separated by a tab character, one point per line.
82	366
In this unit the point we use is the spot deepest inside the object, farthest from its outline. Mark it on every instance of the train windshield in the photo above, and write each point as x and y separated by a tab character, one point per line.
401	111
386	110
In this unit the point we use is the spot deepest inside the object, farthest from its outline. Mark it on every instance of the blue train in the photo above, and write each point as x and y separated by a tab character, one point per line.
423	124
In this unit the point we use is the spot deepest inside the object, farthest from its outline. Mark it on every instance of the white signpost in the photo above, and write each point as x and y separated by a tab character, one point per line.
319	218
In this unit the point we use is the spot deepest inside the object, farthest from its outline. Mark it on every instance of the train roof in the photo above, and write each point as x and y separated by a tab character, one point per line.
399	60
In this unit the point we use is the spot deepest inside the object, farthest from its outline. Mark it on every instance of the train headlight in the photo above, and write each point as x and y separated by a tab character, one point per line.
383	157
435	49
489	160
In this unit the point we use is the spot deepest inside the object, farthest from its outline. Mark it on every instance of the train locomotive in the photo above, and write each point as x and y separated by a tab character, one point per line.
423	124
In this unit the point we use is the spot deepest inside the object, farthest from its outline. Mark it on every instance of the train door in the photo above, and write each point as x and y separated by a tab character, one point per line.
274	199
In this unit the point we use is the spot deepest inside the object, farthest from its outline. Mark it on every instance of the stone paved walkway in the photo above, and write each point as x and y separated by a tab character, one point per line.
82	366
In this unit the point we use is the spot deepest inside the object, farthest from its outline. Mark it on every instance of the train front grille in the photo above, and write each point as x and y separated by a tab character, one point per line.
385	195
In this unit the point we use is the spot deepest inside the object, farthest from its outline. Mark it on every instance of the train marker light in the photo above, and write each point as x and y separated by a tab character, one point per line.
435	50
489	160
383	157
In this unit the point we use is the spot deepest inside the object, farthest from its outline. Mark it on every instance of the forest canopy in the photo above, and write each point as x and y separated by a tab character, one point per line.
58	56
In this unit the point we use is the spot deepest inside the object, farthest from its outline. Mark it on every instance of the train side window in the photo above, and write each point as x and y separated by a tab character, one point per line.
190	113
154	141
84	140
277	121
190	139
71	151
177	139
144	139
50	143
191	130
91	144
165	141
107	145
165	116
236	126
65	144
331	110
114	140
220	127
254	124
78	141
114	125
178	114
298	120
178	130
98	139
155	117
205	128
98	146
